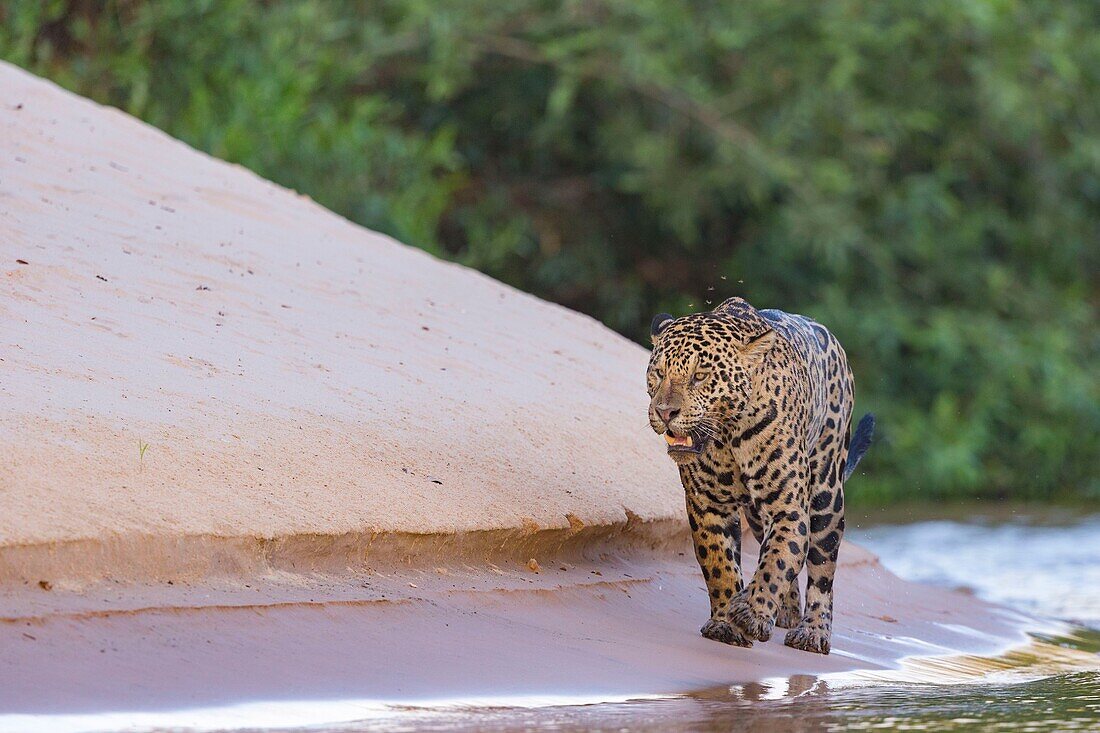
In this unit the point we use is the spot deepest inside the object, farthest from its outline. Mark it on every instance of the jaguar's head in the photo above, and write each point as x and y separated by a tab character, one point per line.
700	377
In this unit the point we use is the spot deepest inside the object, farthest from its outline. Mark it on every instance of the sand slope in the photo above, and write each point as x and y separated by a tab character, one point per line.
289	371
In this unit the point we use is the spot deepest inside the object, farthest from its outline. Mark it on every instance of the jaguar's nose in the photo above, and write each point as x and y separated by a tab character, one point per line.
667	414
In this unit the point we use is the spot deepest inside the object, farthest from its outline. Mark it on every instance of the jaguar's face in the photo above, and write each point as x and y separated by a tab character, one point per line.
699	378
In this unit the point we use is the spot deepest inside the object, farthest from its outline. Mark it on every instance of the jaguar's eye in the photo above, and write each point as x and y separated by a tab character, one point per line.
699	377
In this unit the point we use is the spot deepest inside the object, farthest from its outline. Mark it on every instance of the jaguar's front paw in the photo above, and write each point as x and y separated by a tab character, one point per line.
809	638
751	616
724	632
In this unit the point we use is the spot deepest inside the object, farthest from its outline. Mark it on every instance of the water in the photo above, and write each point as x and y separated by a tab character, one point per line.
1063	703
1046	565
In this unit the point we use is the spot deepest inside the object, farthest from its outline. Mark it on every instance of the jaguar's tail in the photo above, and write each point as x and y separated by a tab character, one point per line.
861	441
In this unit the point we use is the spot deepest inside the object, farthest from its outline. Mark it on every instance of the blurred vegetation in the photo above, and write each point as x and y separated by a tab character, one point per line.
924	178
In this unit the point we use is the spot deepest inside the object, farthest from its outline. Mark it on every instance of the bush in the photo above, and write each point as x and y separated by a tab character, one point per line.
923	178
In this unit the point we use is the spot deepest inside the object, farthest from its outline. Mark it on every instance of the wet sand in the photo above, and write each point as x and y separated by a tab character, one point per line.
604	620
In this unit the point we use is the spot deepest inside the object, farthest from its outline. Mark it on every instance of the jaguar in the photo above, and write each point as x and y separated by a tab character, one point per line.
755	407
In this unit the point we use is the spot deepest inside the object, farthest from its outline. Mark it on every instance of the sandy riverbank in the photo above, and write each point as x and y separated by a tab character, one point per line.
618	617
251	452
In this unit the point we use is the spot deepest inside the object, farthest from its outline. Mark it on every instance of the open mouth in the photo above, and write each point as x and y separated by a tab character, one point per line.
682	443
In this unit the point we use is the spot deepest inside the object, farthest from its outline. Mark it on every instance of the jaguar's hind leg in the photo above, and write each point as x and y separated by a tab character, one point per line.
814	632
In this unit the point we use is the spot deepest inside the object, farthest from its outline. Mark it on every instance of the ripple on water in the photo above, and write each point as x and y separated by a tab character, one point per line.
1052	570
1069	702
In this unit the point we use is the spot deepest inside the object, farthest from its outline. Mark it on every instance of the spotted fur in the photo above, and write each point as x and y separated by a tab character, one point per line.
766	398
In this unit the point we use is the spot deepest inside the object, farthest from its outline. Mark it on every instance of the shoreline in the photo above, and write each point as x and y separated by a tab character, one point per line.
615	616
1027	662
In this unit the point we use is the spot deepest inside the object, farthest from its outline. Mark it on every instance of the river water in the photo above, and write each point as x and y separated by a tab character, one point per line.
1047	564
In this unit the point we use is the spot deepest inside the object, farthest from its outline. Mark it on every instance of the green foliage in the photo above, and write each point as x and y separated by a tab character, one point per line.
924	178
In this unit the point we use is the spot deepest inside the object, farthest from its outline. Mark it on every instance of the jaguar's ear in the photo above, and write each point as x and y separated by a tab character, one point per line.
660	323
759	345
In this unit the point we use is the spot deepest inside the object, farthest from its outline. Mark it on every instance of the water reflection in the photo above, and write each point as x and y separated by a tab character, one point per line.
1068	702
